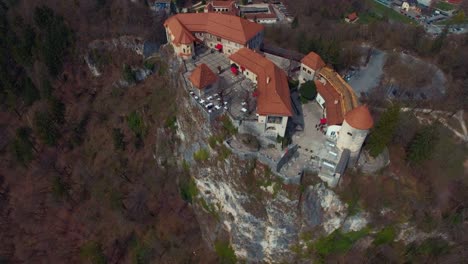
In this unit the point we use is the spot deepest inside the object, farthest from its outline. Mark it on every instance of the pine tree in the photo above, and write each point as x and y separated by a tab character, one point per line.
383	132
422	145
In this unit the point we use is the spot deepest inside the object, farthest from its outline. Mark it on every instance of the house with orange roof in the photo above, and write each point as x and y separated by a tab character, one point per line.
274	105
225	33
310	64
352	18
224	7
203	80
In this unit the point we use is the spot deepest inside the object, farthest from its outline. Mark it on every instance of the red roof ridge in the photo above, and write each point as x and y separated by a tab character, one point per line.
273	89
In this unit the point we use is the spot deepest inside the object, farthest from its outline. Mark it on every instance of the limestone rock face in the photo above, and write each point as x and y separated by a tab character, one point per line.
323	207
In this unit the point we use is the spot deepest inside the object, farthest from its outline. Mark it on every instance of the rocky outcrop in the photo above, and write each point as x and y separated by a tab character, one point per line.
322	207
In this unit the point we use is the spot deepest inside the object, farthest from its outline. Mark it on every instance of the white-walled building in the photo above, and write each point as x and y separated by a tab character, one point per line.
274	105
226	33
354	130
224	7
310	64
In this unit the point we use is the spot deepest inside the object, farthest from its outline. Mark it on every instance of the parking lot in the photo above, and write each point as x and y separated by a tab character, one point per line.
234	93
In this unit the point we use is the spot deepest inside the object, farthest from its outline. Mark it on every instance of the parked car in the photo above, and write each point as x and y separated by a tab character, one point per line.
202	101
209	106
217	107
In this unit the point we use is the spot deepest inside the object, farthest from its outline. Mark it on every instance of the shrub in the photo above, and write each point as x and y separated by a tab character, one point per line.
385	236
118	137
92	252
338	242
423	145
128	74
225	252
46	128
189	190
171	122
59	188
135	123
201	155
228	127
308	90
22	146
224	152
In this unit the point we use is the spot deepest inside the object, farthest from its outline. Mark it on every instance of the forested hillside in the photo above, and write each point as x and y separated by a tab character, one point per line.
79	181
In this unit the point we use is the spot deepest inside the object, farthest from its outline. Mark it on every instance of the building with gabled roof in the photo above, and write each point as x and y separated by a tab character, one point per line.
226	33
203	79
273	98
310	64
224	7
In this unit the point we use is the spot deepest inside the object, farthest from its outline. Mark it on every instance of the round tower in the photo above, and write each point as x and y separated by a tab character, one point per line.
354	130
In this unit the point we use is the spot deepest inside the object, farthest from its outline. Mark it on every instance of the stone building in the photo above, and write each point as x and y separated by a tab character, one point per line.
354	130
225	33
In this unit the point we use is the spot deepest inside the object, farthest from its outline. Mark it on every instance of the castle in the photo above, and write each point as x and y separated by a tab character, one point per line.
346	122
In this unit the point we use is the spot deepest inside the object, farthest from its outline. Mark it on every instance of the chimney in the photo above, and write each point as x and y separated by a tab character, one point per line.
336	101
268	79
323	81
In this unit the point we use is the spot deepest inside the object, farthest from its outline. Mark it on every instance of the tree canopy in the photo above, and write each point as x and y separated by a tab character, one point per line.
423	144
383	131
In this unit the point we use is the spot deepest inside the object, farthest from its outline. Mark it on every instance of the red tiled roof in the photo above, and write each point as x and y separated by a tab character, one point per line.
222	3
273	89
179	31
332	102
313	61
360	118
203	76
352	16
228	27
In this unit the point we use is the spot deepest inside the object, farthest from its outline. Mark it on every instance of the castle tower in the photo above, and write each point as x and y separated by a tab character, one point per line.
354	130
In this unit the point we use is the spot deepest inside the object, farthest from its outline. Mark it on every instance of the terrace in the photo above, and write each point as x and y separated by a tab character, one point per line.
235	92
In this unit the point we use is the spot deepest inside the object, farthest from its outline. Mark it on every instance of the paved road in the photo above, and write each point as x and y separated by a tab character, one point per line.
369	77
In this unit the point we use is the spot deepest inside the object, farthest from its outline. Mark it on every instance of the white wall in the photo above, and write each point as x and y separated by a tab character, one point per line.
320	100
333	132
351	138
278	128
304	75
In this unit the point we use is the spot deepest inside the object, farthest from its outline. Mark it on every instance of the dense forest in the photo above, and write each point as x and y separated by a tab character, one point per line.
78	180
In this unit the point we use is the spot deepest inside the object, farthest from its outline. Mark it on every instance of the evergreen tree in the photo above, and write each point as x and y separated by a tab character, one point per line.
57	109
22	146
383	132
46	128
295	22
422	145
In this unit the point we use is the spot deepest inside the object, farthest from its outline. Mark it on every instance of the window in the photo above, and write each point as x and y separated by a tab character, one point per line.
332	133
246	73
218	39
229	51
303	68
349	133
309	72
183	50
274	119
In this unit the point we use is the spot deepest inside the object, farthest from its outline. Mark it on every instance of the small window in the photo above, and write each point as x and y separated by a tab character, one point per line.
183	50
229	51
309	72
303	68
332	133
350	134
246	73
